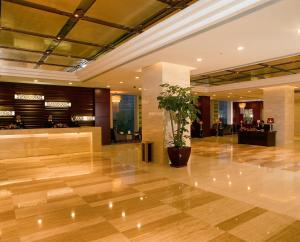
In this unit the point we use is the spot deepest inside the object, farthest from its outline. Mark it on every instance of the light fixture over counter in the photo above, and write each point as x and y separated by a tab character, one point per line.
7	113
31	97
242	107
116	98
58	104
84	118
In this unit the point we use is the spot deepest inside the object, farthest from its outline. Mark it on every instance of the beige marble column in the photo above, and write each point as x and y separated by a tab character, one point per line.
155	123
279	104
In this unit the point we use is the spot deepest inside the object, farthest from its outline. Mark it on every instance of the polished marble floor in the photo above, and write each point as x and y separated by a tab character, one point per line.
228	192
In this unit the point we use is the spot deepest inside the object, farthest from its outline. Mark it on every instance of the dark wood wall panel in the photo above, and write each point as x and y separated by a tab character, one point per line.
204	106
34	113
204	115
256	106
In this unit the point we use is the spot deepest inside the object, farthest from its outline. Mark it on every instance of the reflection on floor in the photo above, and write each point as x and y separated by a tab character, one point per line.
227	193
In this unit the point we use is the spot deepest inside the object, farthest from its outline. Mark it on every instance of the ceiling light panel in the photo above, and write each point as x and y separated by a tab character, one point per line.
20	17
16	64
19	55
94	33
131	13
18	40
64	5
61	60
52	68
69	48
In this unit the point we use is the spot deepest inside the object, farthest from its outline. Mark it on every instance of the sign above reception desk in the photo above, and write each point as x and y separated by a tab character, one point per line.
7	113
85	118
58	104
29	97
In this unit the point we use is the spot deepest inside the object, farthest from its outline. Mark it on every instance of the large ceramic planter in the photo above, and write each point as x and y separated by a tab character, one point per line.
179	157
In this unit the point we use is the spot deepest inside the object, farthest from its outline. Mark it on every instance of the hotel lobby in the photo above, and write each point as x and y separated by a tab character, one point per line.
149	120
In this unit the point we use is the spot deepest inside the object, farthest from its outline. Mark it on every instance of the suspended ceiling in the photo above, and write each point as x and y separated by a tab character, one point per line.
268	69
65	35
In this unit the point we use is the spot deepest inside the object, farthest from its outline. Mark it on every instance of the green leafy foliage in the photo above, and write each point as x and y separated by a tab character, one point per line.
179	103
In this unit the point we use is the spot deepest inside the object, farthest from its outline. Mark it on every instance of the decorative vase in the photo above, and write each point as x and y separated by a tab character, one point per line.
179	156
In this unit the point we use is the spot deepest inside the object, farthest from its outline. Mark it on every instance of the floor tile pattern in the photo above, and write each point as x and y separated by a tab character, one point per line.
113	196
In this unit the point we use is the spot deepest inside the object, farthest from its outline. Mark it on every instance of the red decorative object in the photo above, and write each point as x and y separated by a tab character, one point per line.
270	120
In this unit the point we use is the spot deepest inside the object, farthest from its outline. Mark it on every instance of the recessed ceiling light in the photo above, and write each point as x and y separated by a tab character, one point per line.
121	82
83	65
214	95
241	97
35	80
140	88
70	83
199	59
76	15
249	91
298	31
137	77
58	37
240	48
108	86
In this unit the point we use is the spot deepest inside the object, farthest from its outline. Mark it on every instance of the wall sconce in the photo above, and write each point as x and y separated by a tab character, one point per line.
7	113
29	97
116	98
58	104
84	118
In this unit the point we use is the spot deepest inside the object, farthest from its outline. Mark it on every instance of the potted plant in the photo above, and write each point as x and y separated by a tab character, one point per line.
179	103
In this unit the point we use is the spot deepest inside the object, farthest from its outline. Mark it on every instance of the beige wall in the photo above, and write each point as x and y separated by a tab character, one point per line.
279	104
297	114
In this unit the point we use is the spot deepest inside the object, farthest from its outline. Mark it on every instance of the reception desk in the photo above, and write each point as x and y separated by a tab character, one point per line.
257	138
20	143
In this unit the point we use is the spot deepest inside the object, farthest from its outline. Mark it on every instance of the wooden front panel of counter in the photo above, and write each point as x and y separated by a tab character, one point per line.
43	142
257	138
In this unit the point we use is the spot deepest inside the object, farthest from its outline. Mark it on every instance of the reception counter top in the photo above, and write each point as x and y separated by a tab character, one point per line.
20	143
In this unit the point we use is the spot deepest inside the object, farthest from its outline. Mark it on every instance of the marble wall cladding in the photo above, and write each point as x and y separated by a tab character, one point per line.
156	123
279	104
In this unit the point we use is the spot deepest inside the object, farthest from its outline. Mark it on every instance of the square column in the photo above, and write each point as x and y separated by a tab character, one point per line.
156	126
279	104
